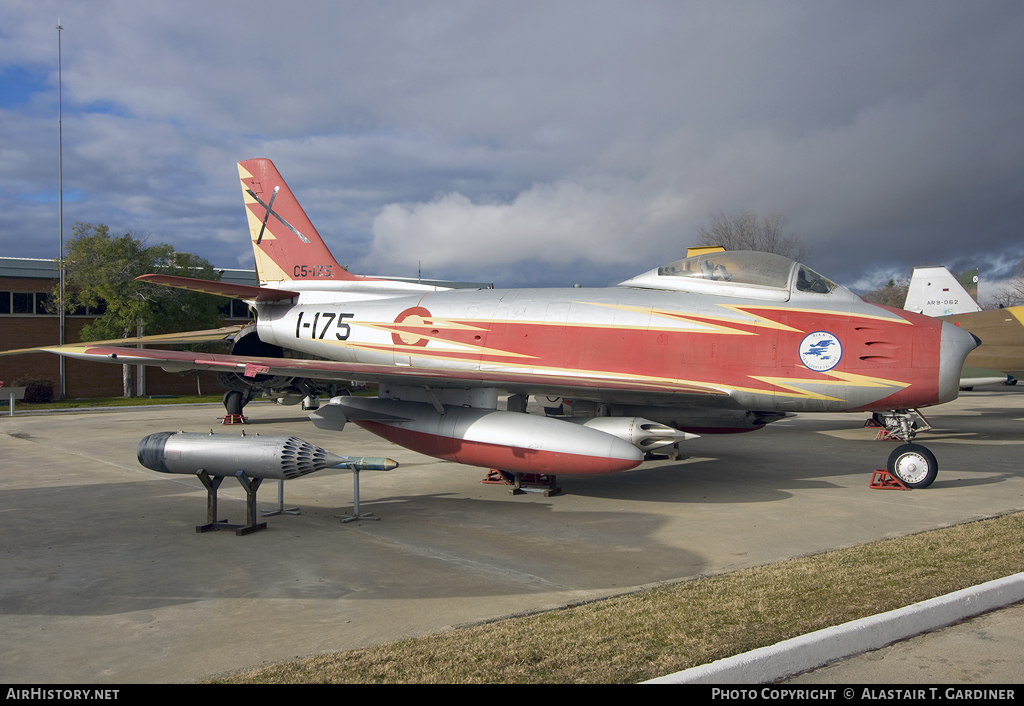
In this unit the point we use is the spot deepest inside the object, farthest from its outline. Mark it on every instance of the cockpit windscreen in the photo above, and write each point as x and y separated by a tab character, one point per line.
757	268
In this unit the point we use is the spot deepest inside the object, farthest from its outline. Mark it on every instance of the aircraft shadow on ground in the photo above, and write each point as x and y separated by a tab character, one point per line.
117	548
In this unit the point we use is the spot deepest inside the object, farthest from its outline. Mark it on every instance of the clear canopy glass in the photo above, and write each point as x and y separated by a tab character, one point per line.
736	273
757	268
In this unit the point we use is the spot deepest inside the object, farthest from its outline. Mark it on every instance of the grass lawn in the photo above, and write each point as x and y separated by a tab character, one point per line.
658	631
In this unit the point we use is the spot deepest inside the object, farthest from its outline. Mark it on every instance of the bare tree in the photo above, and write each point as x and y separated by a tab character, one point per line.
1011	293
893	294
744	231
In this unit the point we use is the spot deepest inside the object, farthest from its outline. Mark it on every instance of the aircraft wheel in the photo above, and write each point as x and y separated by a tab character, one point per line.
914	465
233	402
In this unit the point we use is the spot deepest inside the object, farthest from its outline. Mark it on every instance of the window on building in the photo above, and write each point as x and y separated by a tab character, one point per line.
22	303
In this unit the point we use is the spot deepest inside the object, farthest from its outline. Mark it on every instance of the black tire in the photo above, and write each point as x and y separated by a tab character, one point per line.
914	465
233	402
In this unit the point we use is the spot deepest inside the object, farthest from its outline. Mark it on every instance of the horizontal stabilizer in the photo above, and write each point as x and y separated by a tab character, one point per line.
216	334
222	289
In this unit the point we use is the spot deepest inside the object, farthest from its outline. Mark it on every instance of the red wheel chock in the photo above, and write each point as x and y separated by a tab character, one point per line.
883	433
883	480
229	419
532	482
494	476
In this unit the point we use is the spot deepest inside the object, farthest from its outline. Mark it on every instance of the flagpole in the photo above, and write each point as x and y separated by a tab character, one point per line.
60	163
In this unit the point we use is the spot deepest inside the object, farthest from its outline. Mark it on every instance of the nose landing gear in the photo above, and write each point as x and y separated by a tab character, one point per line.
913	464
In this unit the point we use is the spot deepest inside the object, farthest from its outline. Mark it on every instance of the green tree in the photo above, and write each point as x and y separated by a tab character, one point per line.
100	271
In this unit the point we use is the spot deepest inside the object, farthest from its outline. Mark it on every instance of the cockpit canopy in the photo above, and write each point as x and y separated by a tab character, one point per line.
758	275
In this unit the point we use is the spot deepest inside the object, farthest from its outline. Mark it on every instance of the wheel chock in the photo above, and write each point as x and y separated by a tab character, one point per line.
883	480
229	419
883	433
525	482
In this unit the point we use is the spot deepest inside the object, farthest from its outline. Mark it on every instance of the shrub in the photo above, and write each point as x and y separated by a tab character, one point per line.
37	390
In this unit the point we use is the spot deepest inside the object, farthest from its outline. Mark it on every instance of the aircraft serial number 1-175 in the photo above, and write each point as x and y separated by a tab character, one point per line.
716	343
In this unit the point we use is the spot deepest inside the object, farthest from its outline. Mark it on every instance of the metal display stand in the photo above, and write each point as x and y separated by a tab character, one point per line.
212	483
355	503
281	510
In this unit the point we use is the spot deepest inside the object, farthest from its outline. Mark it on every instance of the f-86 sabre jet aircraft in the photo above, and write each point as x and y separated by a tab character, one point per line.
715	343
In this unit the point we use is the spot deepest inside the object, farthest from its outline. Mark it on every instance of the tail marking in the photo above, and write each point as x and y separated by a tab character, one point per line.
271	212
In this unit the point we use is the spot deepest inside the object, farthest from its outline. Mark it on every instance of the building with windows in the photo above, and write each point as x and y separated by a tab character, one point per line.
28	320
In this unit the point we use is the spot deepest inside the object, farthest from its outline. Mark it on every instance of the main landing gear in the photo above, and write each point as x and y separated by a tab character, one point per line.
913	464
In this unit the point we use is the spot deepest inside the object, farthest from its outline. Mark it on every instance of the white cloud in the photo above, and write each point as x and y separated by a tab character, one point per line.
555	223
484	135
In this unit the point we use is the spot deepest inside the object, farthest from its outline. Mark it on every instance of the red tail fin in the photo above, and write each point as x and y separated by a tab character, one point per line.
286	245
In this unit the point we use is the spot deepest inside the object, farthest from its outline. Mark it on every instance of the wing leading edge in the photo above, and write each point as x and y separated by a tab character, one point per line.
216	334
250	366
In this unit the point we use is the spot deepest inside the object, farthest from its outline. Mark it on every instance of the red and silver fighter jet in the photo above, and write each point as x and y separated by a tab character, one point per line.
716	343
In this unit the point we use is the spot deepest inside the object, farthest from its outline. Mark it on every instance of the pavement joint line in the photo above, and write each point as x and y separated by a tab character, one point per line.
806	652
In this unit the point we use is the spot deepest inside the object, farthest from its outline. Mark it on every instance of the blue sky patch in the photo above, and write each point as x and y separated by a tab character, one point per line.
17	84
51	196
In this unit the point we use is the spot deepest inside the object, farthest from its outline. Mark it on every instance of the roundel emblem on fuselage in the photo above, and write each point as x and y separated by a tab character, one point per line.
820	351
409	327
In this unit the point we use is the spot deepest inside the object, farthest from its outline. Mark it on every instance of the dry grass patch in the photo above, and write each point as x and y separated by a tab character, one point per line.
658	631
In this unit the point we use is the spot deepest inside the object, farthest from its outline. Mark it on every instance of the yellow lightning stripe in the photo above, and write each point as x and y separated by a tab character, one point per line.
790	384
692	319
854	380
266	269
761	322
667	384
823	312
670	384
254	222
850	379
423	351
652	382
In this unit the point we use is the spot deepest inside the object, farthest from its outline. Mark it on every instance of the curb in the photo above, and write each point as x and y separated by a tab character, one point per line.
806	652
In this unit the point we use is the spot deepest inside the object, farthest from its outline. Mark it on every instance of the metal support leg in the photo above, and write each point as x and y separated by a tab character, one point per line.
355	504
517	485
251	485
280	504
212	483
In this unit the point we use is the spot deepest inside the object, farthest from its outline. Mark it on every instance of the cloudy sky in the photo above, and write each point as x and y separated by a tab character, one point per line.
525	143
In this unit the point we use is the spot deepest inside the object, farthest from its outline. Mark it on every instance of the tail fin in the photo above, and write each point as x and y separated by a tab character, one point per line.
969	281
935	292
287	247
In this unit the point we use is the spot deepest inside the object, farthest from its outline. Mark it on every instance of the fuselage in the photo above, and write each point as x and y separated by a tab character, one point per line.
814	352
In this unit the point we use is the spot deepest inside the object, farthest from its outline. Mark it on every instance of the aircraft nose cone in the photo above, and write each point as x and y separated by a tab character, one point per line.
955	345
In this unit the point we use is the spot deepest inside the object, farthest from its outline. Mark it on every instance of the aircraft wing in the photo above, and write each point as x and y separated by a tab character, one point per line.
251	366
216	334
